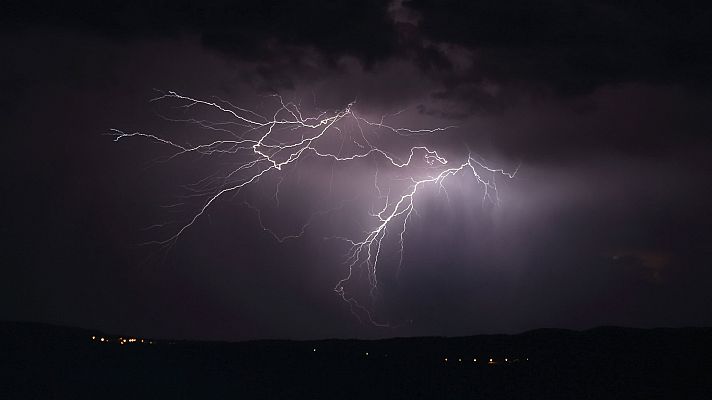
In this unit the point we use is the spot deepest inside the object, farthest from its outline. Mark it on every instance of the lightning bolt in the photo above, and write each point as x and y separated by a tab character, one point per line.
258	144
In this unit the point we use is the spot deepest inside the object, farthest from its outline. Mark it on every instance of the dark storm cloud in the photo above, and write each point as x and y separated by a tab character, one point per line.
289	41
514	47
574	47
246	29
626	120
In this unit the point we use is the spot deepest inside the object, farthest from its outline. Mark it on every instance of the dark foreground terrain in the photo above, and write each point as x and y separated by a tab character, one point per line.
45	362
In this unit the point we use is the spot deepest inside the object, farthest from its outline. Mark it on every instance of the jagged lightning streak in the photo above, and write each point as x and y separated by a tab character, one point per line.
261	151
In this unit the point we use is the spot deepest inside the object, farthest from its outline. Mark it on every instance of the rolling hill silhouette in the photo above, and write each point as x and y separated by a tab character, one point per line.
46	361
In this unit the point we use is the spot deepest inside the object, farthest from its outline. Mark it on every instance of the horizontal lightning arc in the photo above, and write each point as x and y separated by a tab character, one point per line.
263	153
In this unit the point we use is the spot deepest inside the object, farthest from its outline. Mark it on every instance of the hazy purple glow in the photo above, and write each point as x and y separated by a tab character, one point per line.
606	222
277	146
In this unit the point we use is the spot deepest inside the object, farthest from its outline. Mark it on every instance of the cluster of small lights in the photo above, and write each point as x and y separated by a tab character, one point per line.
490	360
121	340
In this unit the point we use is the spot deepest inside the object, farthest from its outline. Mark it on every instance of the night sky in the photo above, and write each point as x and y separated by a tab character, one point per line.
604	106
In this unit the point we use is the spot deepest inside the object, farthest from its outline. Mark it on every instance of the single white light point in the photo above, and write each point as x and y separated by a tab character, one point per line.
474	360
366	353
102	339
459	359
93	338
314	350
491	360
445	359
505	360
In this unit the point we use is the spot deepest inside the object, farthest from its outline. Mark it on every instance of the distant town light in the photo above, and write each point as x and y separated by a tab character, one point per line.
93	338
491	360
445	359
366	353
459	360
505	360
474	360
314	349
102	339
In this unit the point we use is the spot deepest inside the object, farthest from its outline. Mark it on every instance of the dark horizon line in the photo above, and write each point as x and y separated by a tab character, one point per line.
6	325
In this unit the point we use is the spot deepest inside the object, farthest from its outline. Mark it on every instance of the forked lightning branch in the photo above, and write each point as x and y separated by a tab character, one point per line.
265	145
